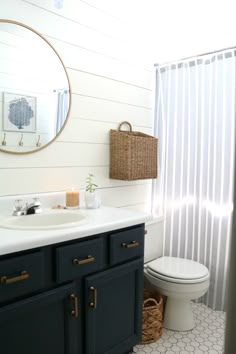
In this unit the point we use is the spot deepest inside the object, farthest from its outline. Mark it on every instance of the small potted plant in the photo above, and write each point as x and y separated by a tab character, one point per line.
91	200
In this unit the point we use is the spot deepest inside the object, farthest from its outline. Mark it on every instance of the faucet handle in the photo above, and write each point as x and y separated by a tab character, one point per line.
18	204
36	200
18	208
34	208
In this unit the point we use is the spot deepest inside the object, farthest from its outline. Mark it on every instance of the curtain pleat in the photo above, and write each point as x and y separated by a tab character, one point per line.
62	108
194	122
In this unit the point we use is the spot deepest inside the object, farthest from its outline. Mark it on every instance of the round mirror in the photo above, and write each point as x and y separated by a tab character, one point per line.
34	90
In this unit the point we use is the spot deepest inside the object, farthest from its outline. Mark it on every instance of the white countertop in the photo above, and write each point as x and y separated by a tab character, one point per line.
97	221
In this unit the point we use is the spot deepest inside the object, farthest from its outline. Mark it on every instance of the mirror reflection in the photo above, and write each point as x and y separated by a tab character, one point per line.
34	90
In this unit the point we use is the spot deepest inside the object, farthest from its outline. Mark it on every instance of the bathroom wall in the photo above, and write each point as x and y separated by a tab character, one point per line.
109	85
176	29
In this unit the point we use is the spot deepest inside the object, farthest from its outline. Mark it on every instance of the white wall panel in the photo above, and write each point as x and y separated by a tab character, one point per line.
96	86
111	7
89	131
103	110
59	27
53	179
122	196
60	154
88	16
105	66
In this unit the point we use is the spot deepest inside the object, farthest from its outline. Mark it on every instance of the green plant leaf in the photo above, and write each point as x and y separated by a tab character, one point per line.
90	185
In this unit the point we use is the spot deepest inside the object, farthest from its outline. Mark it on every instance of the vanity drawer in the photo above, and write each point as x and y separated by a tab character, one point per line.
126	245
79	259
21	275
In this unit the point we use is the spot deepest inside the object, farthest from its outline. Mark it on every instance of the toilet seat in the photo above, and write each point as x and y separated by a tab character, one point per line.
178	270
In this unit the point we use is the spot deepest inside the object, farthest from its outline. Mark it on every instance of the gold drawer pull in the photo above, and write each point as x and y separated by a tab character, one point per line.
130	245
93	304
89	259
75	311
23	276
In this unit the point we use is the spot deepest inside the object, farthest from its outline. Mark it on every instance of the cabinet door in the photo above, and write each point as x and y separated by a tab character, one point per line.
42	324
114	309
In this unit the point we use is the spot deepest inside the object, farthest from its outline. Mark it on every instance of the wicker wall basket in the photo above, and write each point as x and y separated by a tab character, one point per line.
152	318
133	155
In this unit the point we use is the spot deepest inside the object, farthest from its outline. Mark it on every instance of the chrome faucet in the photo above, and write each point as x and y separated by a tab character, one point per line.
32	208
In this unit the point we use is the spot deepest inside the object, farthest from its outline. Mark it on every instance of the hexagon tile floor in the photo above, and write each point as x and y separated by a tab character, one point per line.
206	337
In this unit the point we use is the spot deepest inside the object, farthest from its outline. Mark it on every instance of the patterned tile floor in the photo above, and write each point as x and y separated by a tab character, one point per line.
206	337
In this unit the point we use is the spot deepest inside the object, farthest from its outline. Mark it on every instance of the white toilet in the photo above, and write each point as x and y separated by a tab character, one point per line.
181	280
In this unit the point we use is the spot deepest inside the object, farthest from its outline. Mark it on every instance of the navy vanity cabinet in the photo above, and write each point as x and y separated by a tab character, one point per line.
126	245
82	296
21	275
41	324
81	258
113	305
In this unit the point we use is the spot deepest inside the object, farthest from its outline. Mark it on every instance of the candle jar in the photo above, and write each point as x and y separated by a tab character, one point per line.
72	199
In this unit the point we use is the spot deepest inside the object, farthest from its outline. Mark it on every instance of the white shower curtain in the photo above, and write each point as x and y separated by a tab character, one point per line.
195	124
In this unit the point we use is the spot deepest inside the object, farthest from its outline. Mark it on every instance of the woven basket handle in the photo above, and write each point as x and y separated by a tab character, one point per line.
150	299
125	122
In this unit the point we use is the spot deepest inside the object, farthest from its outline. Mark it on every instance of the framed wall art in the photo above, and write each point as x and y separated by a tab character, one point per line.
19	113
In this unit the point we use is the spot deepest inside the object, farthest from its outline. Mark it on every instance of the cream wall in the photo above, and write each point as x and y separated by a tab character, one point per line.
170	30
108	86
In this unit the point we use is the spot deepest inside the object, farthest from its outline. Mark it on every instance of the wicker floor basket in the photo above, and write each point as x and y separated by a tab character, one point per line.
152	317
133	155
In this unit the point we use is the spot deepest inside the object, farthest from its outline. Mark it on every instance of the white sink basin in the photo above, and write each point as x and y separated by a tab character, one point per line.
45	221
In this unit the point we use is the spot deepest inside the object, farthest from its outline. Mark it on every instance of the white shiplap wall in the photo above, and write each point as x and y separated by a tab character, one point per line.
108	86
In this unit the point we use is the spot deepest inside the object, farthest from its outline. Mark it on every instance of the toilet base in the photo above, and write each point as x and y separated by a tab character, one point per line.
178	315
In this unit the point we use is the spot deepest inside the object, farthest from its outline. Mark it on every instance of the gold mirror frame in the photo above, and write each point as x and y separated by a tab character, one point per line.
69	89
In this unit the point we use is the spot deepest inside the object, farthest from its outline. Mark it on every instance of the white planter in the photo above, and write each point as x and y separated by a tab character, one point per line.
91	200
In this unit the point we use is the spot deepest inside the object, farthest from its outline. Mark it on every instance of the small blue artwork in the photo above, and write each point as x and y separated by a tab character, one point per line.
19	113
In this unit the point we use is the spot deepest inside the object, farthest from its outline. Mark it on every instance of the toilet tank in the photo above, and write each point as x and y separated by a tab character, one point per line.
153	246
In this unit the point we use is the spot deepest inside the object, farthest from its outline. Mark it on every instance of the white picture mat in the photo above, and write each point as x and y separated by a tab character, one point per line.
10	98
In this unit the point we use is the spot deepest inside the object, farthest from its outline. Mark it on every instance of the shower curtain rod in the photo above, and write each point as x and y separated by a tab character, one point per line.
195	56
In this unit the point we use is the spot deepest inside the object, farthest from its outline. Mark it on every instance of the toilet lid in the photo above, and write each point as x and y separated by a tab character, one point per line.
178	268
